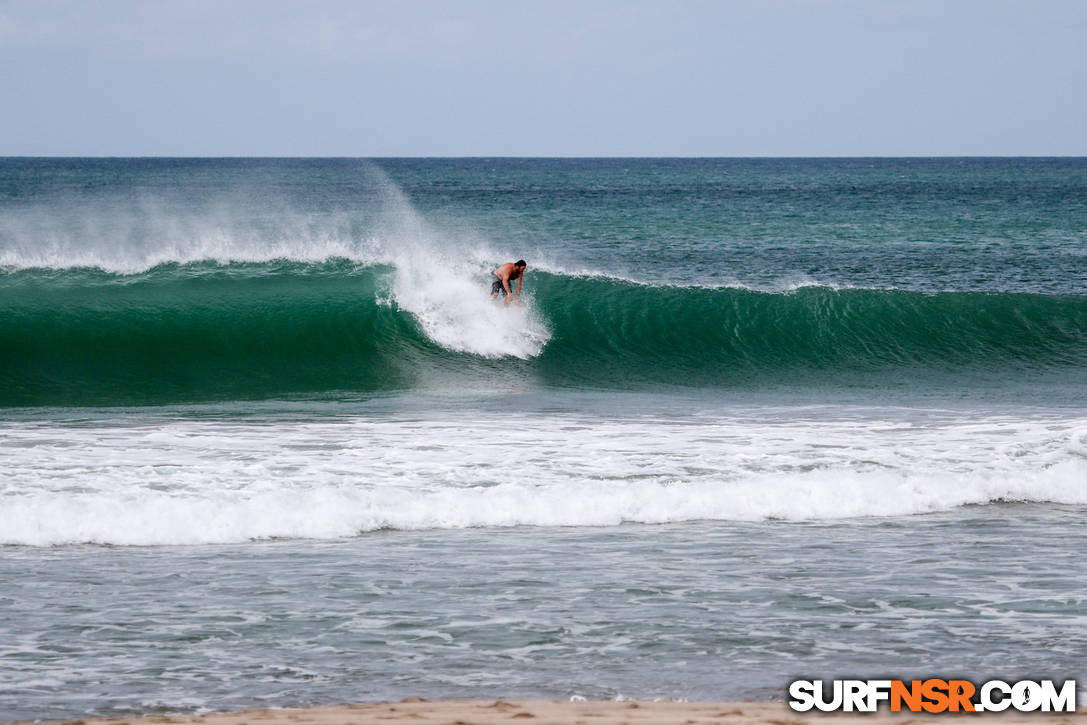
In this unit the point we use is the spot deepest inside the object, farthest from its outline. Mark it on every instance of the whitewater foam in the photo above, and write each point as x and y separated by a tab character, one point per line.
206	481
445	285
455	312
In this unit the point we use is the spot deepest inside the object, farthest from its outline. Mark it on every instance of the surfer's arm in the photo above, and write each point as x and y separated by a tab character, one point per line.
519	281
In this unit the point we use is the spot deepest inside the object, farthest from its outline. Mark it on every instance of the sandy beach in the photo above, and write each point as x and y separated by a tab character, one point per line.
550	712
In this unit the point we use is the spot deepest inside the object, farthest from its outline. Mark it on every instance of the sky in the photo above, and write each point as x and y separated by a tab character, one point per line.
371	78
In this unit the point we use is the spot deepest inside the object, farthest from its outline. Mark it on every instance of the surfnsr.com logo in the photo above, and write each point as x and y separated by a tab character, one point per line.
932	695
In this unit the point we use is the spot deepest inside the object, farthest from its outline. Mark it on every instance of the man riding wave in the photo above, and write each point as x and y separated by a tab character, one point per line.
505	274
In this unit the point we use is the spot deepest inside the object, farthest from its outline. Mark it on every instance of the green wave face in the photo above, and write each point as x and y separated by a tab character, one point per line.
175	335
726	335
248	331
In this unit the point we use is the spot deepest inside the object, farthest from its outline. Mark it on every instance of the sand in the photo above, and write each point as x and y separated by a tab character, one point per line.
542	712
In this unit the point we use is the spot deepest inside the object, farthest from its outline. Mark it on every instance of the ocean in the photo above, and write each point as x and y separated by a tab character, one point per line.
266	441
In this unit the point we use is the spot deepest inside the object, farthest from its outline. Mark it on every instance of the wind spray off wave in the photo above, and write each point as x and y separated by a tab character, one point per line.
444	287
174	294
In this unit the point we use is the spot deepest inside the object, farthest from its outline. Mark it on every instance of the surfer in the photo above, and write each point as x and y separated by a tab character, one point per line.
505	274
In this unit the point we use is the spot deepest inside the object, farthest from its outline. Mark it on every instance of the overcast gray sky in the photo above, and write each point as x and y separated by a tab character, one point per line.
547	78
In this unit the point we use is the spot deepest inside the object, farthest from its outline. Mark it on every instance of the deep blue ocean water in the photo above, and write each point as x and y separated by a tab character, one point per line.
266	441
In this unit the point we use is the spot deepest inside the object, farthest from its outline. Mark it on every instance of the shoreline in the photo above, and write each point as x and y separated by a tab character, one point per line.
548	712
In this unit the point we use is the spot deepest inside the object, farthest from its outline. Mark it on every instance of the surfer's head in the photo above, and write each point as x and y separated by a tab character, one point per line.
520	264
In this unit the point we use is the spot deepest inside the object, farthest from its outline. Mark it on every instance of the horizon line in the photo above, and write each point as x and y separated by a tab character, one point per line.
555	157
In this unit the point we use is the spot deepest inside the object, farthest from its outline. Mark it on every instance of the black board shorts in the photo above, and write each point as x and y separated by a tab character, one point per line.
496	286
